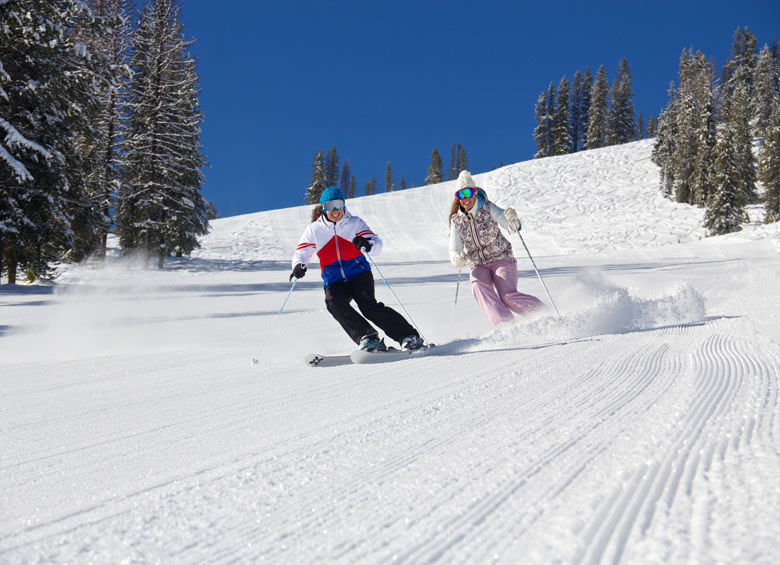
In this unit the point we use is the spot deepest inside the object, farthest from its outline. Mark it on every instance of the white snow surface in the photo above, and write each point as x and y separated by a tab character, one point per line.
642	426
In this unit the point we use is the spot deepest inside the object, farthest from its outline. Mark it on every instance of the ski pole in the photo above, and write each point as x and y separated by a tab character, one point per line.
393	293
457	288
256	360
537	273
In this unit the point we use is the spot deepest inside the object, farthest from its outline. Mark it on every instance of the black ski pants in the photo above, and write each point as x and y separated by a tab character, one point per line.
361	289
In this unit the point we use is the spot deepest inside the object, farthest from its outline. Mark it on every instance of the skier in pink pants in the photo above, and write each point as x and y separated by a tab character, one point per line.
477	242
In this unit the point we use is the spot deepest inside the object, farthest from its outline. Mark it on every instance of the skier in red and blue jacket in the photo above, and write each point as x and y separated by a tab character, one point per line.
339	239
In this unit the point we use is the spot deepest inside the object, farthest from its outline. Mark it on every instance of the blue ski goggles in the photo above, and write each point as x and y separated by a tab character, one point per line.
465	193
333	205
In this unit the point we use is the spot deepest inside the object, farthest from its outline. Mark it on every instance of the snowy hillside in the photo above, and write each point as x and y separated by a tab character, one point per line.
642	426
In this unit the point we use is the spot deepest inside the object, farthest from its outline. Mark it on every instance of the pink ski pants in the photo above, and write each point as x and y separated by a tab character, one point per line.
495	287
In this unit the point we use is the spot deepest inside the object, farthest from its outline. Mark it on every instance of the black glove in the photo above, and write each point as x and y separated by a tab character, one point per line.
362	243
298	271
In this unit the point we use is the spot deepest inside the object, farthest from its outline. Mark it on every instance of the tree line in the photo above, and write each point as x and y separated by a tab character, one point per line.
99	132
325	172
707	132
587	114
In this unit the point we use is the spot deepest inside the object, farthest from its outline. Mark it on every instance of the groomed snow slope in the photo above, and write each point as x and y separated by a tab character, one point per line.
642	426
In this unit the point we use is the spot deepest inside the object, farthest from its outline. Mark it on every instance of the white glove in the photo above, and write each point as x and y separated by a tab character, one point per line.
459	260
511	217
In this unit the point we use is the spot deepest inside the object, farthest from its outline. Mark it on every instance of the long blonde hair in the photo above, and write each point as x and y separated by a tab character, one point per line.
454	209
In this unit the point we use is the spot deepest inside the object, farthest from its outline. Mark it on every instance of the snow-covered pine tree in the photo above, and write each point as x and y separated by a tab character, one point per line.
739	122
576	111
770	167
542	129
598	118
106	33
317	184
561	121
767	90
725	211
42	108
651	127
738	70
434	169
664	147
160	210
622	124
331	167
704	97
686	139
389	178
585	103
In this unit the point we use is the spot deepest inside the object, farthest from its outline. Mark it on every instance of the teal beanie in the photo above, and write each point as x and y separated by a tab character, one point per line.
331	193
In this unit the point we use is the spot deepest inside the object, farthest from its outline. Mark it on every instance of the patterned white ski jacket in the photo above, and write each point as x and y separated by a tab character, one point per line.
476	233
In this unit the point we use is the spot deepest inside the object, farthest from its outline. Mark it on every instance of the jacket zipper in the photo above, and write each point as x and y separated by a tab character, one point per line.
338	254
474	234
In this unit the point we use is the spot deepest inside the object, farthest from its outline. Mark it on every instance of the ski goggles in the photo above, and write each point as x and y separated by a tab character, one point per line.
333	205
465	193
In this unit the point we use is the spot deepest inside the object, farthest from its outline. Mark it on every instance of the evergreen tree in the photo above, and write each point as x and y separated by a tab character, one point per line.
739	69
767	90
317	184
561	136
685	147
686	135
585	103
622	123
389	178
704	96
598	117
352	186
434	169
651	127
160	208
370	187
452	171
725	211
770	167
542	130
463	162
345	177
332	167
739	124
575	112
664	147
107	36
44	103
402	184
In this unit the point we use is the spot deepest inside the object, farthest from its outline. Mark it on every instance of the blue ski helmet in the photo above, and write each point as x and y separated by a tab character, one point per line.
331	193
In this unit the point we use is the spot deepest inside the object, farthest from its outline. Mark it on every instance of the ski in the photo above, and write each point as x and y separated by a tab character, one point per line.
361	357
317	360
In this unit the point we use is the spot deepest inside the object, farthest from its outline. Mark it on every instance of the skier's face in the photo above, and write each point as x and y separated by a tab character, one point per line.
334	210
468	203
335	215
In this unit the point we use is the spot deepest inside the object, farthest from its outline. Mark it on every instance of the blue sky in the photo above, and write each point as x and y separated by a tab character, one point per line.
390	80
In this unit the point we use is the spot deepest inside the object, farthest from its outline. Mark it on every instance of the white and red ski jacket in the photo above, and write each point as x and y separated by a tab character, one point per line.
339	260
